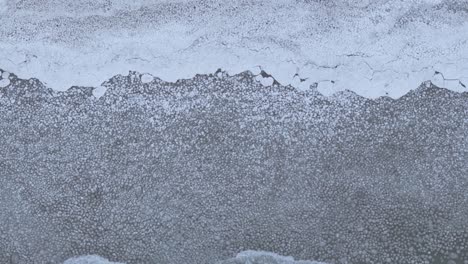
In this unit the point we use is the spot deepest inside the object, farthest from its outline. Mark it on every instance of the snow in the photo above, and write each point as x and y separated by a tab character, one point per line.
263	257
371	47
246	257
91	259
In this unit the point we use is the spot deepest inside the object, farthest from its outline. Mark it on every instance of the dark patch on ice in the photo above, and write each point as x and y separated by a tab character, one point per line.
200	169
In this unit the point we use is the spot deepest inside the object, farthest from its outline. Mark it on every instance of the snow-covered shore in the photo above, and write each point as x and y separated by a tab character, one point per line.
375	48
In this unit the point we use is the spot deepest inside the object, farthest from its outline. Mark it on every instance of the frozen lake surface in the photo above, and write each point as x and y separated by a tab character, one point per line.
199	170
233	132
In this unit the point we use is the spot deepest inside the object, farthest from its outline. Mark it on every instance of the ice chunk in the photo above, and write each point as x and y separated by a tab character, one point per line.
146	78
4	83
265	81
5	75
99	91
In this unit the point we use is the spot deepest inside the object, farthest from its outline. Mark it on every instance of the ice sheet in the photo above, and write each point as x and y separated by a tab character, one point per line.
374	48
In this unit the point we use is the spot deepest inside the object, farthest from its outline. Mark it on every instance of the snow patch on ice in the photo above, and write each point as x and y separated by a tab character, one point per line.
245	257
263	257
92	259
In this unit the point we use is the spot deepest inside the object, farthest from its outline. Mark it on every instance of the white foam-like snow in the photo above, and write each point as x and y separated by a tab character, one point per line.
91	259
374	48
263	257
